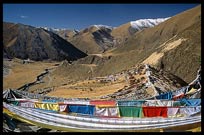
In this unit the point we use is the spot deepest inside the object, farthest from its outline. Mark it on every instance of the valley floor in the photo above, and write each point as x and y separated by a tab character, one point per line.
124	85
21	74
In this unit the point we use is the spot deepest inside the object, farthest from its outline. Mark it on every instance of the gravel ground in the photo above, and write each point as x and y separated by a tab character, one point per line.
6	71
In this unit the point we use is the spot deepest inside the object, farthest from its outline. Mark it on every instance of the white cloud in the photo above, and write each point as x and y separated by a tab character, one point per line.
23	16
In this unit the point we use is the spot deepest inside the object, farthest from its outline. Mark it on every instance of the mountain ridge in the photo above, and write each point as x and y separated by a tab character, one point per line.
24	41
103	37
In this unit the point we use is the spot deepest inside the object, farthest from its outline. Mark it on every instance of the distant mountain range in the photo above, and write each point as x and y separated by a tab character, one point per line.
100	38
57	29
52	29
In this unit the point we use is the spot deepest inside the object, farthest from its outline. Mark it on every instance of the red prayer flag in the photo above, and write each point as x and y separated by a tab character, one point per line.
155	111
103	102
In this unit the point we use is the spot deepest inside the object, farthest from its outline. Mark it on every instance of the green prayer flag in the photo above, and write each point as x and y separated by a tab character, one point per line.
15	103
130	111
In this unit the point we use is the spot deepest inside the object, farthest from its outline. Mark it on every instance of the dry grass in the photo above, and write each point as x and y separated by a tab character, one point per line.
154	58
64	87
24	73
87	89
121	33
92	89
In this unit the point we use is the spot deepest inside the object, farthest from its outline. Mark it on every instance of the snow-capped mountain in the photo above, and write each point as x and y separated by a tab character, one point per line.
146	23
53	29
137	25
99	26
60	31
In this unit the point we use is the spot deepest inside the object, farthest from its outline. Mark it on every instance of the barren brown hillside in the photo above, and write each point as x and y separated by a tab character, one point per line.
121	33
177	39
90	40
24	41
151	40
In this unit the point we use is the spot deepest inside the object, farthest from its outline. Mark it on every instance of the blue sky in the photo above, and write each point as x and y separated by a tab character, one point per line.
79	16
